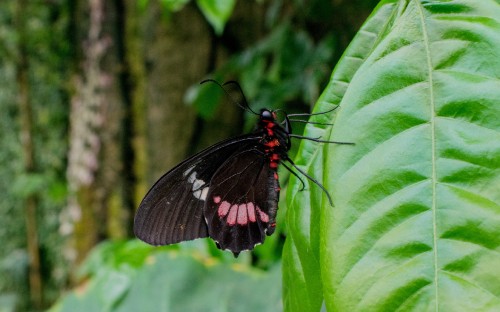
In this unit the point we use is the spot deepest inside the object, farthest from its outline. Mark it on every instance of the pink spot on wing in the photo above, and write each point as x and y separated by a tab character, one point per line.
217	199
251	212
262	215
233	214
223	208
242	214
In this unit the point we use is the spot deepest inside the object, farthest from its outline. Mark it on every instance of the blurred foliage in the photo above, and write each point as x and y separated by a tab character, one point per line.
48	65
216	12
284	69
133	276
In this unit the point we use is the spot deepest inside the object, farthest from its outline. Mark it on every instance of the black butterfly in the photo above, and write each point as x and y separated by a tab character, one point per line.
228	192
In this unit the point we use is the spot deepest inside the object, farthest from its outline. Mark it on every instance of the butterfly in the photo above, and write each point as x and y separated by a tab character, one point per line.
228	192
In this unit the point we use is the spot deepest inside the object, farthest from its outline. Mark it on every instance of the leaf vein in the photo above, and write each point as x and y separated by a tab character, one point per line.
476	195
458	276
402	264
474	243
473	74
375	204
382	235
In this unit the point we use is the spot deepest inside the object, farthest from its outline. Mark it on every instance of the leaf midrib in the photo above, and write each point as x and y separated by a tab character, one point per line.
433	147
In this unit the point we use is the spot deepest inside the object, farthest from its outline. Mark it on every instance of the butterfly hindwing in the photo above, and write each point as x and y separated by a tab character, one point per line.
172	211
242	201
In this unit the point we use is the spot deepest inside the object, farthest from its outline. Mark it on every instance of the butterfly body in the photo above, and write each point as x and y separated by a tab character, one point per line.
228	192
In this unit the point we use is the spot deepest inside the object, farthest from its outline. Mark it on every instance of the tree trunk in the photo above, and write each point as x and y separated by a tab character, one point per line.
92	115
177	48
134	86
26	128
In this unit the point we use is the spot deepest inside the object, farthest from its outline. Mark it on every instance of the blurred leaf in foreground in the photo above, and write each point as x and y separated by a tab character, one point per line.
133	276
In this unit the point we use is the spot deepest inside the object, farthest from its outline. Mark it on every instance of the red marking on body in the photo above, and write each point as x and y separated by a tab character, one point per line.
232	216
273	224
217	199
276	176
269	129
272	143
251	212
262	215
223	209
242	214
274	161
278	189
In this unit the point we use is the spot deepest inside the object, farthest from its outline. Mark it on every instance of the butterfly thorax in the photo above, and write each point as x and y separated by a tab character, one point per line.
275	138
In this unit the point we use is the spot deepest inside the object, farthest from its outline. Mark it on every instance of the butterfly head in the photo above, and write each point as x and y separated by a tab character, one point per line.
274	130
267	115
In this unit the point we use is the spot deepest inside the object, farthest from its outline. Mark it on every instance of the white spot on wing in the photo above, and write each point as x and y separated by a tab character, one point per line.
188	171
201	194
199	191
197	184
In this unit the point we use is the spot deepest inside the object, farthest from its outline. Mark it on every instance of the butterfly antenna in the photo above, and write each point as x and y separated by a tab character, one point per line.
300	120
241	103
314	114
310	178
311	122
212	81
244	103
317	139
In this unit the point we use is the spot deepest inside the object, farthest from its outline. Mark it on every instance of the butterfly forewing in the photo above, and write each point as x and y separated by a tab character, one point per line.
242	202
172	211
162	216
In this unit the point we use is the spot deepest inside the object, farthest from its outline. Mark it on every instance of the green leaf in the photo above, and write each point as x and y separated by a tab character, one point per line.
181	283
133	276
301	267
173	5
217	12
416	219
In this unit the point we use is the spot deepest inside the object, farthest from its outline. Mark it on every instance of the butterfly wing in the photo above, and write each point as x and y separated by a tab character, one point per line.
242	201
172	210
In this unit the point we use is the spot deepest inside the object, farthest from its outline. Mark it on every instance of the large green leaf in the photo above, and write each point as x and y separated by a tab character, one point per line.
416	219
301	267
